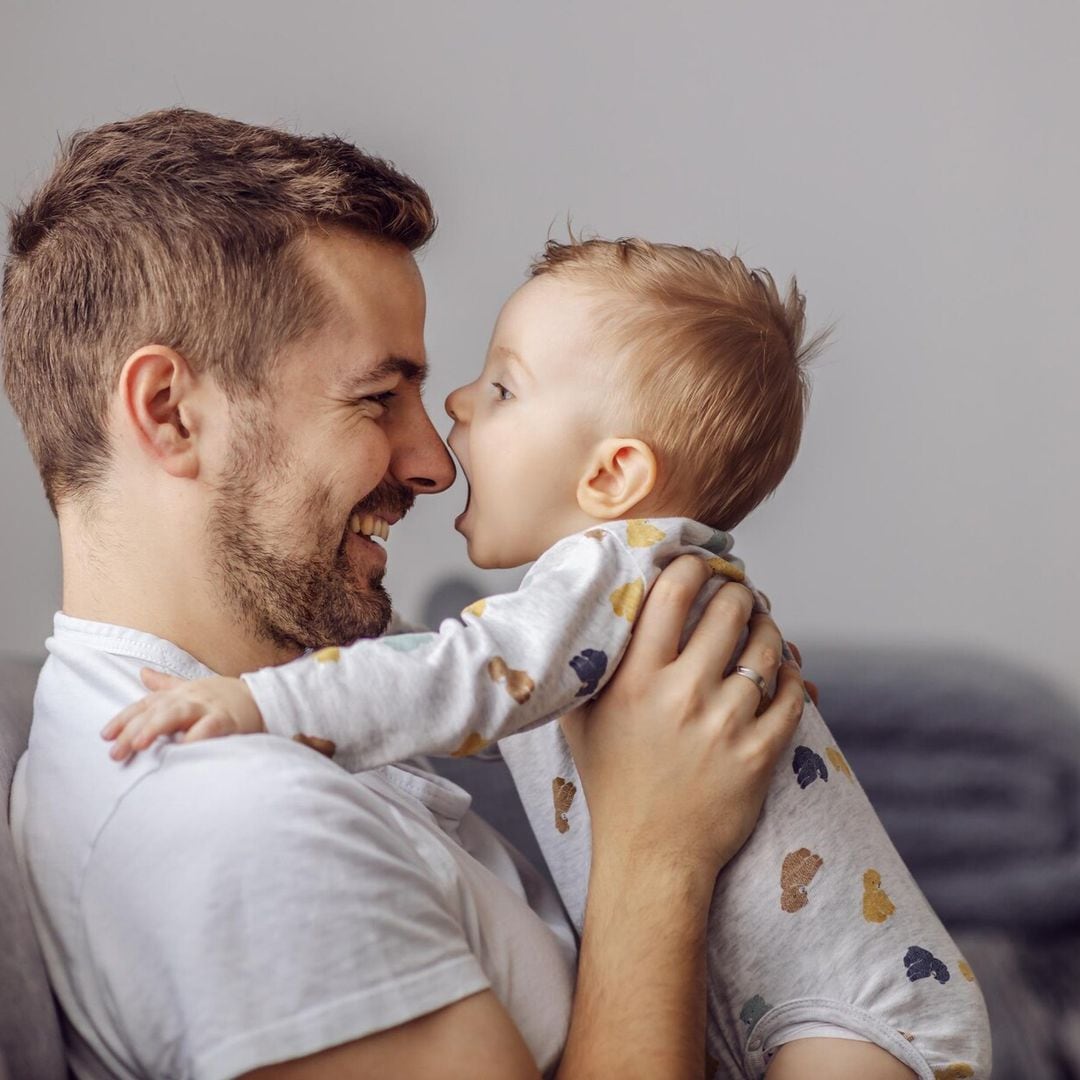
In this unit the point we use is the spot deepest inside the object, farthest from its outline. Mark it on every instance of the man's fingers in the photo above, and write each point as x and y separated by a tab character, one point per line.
158	680
717	633
764	648
776	725
761	654
655	640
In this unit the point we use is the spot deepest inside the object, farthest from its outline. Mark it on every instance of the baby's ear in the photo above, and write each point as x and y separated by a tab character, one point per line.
618	475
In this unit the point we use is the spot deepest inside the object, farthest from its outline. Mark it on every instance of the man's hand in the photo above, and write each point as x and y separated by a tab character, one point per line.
202	708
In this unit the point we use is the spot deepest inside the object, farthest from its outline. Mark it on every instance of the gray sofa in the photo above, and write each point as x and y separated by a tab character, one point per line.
973	764
30	1042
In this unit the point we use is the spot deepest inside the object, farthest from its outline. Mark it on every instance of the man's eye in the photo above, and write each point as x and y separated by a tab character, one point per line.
501	393
382	399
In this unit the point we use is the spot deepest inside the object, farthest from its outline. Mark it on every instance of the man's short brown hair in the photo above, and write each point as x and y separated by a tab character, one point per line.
175	228
714	365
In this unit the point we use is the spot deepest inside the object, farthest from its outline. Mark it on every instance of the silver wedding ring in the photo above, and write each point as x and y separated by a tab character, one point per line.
755	678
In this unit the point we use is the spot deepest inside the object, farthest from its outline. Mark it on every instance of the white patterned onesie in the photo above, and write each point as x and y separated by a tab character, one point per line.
817	927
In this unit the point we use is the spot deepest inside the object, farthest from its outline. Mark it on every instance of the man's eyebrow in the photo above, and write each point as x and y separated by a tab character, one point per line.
410	370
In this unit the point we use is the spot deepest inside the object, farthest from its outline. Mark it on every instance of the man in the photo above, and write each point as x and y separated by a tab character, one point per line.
213	337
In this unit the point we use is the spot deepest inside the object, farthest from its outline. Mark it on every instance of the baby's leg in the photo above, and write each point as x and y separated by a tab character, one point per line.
817	928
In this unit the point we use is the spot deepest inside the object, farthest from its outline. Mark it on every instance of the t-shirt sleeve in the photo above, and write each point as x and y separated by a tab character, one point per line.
514	661
244	909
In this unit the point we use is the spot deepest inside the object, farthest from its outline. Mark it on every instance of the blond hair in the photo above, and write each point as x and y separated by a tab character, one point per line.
175	228
715	363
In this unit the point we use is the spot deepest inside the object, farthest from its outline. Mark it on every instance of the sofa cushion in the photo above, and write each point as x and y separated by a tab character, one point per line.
30	1041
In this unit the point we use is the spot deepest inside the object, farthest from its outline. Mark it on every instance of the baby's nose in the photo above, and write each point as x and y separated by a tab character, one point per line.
455	402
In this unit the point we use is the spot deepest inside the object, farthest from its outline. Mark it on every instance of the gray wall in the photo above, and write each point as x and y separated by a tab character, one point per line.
915	163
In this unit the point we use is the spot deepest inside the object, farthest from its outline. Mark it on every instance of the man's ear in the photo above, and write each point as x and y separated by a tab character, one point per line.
620	473
157	403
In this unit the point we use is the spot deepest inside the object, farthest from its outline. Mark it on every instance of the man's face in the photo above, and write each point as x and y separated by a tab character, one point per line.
344	445
523	429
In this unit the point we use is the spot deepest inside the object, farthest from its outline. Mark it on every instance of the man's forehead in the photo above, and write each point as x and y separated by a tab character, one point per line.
363	278
374	306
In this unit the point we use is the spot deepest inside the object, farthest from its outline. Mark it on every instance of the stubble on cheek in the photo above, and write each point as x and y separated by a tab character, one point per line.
290	582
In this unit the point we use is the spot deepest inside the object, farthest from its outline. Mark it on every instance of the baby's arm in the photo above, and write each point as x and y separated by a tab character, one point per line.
201	708
518	660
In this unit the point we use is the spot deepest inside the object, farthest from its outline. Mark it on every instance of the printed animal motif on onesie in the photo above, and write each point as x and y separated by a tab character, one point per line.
799	869
922	964
839	762
719	543
808	766
589	666
626	599
640	534
326	747
876	904
407	642
563	792
960	1070
472	744
518	684
753	1010
727	569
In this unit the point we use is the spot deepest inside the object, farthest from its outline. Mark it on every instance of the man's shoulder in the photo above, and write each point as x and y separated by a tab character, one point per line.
234	789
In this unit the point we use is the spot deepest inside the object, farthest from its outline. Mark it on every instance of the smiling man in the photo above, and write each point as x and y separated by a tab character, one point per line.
295	553
213	338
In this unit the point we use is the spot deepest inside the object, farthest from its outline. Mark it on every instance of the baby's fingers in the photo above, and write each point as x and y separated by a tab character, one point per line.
123	718
211	726
159	717
159	680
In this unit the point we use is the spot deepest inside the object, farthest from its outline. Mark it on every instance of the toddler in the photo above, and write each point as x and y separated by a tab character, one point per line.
637	401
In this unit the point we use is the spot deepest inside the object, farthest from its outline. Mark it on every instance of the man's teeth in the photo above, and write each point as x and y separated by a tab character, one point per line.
370	525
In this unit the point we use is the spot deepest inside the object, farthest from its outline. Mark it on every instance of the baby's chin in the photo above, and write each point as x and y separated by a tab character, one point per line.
486	557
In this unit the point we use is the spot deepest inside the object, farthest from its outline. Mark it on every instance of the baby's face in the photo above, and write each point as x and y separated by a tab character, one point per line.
523	429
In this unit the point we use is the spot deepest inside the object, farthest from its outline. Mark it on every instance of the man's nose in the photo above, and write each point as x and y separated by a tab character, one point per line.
426	465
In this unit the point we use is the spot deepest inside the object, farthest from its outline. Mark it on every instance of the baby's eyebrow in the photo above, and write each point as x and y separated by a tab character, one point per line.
513	358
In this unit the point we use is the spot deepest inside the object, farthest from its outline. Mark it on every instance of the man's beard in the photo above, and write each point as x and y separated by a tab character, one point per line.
306	601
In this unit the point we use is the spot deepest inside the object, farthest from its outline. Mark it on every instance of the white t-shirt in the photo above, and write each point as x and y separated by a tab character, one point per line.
210	908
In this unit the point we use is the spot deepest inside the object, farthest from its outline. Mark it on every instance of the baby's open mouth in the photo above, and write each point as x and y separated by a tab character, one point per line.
468	502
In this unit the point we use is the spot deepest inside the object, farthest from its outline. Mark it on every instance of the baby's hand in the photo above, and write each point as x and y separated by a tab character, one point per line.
203	708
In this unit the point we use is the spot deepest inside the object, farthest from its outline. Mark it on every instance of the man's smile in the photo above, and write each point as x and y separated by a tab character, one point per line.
370	525
371	519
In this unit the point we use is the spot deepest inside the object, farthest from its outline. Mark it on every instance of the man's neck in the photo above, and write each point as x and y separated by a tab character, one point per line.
156	588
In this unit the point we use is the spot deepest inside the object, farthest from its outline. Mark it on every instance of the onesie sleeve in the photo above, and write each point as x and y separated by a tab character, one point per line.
514	661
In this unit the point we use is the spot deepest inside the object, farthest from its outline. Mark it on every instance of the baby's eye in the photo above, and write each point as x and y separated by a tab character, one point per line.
501	393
